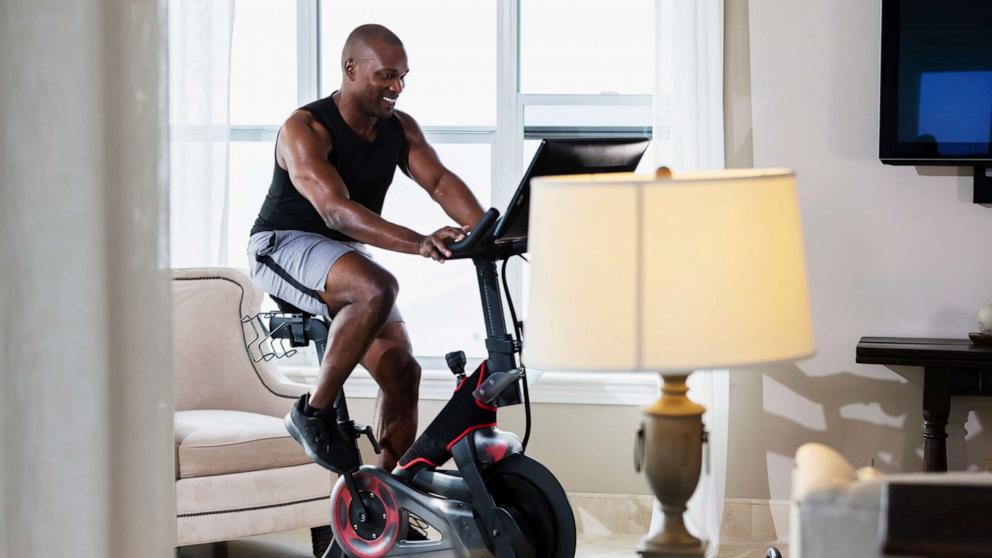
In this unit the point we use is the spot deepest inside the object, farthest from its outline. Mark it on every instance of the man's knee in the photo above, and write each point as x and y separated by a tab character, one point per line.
380	293
354	279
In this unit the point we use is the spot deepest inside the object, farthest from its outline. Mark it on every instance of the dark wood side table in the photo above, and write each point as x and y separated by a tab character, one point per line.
950	367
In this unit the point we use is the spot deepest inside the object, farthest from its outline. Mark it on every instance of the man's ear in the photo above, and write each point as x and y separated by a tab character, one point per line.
349	69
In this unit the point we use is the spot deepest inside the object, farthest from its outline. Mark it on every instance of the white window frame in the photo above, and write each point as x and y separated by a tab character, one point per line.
506	143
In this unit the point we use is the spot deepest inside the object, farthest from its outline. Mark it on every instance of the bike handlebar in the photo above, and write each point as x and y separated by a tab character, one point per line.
481	231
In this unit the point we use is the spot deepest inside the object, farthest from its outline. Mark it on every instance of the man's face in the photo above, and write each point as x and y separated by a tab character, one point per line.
379	78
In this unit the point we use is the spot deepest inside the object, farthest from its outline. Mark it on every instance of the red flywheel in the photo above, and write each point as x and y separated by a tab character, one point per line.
372	536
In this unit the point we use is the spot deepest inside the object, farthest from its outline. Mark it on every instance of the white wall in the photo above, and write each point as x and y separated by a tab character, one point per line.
891	251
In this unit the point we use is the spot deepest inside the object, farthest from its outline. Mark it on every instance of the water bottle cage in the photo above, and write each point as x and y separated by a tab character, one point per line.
278	334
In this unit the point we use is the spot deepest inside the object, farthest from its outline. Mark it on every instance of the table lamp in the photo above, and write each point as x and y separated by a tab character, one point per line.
667	274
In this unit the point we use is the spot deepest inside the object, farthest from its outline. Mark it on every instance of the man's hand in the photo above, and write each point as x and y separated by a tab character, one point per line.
435	246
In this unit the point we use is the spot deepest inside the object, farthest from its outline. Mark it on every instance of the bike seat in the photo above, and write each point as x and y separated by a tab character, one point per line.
288	308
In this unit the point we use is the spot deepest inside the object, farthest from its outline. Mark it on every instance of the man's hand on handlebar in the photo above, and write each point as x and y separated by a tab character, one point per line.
435	245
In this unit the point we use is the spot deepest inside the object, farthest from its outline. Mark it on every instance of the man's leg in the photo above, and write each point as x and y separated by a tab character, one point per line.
393	367
360	295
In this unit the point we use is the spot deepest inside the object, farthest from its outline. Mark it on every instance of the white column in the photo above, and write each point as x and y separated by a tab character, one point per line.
86	454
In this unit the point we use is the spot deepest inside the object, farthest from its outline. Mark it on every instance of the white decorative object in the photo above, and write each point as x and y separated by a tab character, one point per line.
985	319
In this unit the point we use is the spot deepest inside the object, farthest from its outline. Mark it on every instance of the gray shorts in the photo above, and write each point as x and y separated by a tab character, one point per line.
306	258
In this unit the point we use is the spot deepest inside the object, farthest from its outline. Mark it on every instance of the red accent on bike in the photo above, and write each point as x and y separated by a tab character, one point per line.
498	451
467	431
419	460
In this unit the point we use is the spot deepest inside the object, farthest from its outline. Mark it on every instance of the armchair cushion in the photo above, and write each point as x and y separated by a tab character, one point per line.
215	442
226	507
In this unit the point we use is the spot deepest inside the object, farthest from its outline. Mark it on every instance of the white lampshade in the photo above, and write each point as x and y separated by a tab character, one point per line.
636	273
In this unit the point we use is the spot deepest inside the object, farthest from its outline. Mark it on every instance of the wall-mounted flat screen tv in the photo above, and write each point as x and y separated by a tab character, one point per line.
936	102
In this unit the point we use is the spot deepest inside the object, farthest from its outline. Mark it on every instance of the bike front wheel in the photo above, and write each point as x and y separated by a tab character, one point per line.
535	499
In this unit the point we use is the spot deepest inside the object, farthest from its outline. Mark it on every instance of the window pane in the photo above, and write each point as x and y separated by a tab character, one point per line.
452	59
440	302
588	115
586	46
263	62
250	168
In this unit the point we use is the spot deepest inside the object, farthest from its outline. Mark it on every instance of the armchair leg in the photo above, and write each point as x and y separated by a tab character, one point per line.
321	537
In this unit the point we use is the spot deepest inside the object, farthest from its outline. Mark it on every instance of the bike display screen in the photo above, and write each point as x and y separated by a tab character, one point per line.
556	157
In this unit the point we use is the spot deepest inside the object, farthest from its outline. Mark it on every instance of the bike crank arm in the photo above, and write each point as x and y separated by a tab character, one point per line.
356	495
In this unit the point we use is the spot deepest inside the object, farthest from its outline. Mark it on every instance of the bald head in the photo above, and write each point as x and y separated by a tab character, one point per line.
374	66
365	38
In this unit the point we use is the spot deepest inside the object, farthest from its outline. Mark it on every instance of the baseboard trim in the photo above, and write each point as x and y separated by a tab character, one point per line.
746	521
610	514
749	520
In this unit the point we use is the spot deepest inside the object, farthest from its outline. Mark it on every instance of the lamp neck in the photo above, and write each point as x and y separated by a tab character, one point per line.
674	384
673	400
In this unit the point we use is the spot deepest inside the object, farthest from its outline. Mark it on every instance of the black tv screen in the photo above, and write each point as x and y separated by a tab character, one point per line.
936	101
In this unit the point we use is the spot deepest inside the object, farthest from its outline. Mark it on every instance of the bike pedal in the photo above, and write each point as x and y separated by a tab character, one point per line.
367	431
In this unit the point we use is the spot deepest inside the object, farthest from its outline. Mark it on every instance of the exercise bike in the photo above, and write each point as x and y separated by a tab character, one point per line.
497	501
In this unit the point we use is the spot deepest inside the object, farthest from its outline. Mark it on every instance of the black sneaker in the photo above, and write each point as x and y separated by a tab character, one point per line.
321	439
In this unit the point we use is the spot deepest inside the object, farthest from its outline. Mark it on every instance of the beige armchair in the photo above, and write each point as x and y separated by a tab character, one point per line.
238	472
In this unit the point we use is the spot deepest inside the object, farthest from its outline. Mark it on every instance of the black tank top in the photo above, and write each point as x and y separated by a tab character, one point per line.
367	169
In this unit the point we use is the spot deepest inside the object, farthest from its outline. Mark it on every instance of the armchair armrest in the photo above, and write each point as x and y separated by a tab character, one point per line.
818	467
212	364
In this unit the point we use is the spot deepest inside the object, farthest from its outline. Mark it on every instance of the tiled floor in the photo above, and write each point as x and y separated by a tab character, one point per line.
296	544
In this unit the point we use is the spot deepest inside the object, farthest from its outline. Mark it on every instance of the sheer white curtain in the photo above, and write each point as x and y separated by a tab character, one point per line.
689	104
86	441
199	84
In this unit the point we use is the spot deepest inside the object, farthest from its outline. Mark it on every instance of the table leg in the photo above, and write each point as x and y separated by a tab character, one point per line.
936	408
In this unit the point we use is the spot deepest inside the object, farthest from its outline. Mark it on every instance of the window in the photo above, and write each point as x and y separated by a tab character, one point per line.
263	62
263	92
488	79
584	47
452	79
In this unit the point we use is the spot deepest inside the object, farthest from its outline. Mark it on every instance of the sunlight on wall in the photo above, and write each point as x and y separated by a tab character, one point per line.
780	469
885	457
873	413
972	426
776	397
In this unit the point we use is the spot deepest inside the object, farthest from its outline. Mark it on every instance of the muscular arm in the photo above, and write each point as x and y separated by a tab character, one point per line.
302	150
443	186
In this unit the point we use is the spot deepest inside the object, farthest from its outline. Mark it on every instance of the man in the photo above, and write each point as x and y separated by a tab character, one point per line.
335	159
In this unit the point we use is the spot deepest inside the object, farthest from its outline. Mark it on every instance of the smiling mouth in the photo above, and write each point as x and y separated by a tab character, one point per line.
389	100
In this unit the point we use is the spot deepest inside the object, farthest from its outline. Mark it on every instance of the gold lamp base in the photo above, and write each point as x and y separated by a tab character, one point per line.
670	450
